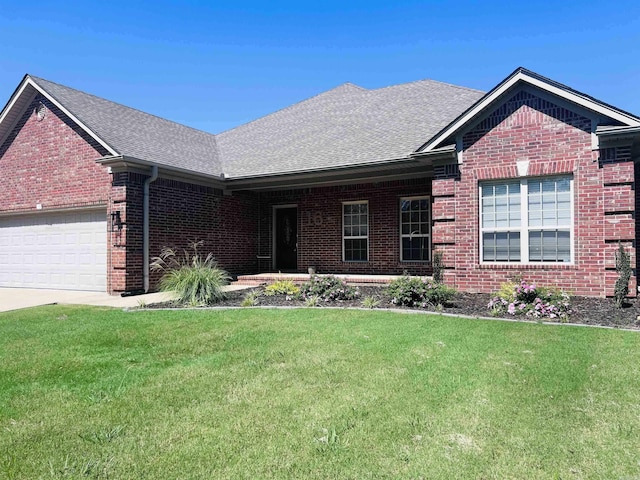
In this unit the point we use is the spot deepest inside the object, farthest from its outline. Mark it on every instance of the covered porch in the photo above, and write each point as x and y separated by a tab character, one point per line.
372	222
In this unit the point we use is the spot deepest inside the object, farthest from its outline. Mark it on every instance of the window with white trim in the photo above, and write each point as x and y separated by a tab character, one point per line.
528	220
355	231
415	229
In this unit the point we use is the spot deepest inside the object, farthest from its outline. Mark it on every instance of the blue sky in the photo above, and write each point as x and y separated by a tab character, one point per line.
214	65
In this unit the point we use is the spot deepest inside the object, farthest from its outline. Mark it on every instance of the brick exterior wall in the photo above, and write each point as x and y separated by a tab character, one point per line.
179	214
320	226
125	261
51	162
553	140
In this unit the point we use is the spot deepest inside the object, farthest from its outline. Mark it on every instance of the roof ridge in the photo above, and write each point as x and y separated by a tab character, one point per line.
288	107
34	78
430	80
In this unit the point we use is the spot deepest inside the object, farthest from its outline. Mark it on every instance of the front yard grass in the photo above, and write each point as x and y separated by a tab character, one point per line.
254	393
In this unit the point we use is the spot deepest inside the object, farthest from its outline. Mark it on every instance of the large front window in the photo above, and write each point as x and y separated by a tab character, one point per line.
527	220
415	228
355	231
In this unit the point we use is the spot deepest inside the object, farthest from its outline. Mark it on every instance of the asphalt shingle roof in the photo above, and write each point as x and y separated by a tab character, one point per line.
138	134
345	126
348	125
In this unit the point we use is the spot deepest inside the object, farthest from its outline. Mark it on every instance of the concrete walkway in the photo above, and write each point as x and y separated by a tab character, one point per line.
17	298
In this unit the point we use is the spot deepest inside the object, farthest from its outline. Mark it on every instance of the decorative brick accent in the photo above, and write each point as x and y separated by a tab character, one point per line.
617	173
444	208
619	198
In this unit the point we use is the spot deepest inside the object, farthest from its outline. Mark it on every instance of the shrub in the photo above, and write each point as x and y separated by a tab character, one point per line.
312	301
282	287
370	302
194	279
623	267
250	299
419	292
524	298
328	288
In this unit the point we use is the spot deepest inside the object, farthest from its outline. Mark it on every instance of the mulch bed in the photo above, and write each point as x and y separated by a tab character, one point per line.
590	311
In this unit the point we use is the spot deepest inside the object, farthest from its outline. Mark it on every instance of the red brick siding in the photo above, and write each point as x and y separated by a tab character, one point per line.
554	140
125	246
320	226
181	213
51	162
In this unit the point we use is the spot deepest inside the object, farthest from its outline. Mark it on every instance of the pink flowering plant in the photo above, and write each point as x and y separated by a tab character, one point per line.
419	292
524	298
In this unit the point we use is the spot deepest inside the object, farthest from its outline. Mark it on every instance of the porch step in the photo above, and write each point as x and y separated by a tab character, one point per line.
264	278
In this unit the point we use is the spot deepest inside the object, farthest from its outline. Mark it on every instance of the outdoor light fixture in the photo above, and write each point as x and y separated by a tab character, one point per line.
116	221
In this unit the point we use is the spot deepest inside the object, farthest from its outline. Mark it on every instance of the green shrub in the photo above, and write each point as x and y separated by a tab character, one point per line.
419	292
370	302
195	280
282	287
527	299
328	288
623	267
313	301
250	299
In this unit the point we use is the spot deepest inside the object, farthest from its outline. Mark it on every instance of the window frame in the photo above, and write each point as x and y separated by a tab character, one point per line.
525	229
354	237
409	235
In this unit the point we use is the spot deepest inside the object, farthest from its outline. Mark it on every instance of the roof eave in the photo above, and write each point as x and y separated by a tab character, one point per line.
121	163
406	167
617	131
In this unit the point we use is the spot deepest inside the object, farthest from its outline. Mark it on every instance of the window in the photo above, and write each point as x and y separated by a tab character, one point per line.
527	221
415	229
355	231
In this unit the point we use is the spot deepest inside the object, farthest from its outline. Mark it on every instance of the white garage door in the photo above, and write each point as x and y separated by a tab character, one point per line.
55	250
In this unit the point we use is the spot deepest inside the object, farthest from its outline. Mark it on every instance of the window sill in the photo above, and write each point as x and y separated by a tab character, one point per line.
527	266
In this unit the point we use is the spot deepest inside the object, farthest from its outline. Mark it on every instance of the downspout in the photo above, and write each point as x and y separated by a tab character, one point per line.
145	226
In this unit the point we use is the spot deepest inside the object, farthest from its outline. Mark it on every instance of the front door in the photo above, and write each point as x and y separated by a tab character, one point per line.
286	238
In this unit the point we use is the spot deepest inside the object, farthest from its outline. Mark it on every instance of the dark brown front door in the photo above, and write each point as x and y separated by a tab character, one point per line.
286	239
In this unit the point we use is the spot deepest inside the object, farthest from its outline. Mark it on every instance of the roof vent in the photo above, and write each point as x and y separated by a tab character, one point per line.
41	111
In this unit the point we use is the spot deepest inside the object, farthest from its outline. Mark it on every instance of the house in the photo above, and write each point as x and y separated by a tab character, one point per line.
532	178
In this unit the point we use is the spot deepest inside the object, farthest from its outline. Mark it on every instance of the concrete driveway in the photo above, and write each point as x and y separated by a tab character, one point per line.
16	298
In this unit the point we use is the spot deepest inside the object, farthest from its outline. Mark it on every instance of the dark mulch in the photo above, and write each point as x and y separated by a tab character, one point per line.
590	311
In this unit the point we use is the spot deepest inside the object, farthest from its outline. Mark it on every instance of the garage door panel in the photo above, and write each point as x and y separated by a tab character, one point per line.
62	250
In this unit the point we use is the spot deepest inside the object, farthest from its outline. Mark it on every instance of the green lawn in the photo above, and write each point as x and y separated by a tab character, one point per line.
312	393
